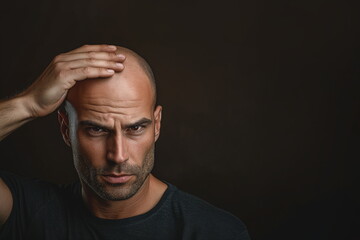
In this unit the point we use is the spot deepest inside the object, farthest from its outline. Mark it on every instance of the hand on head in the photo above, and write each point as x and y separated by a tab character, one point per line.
89	61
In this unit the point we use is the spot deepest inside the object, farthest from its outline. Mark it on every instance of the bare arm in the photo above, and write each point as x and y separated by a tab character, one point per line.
50	89
47	93
13	114
6	201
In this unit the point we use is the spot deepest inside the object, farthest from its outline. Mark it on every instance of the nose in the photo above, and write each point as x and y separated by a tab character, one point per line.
117	151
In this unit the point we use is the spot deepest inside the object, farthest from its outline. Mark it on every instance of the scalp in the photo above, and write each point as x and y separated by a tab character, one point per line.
135	81
142	63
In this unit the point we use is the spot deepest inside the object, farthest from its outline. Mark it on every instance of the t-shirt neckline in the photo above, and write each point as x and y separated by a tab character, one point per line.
130	220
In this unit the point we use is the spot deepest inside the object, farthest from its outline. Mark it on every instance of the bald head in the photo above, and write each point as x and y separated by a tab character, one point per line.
140	60
144	66
135	81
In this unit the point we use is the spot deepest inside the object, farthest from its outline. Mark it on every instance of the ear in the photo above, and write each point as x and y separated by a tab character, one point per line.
157	116
64	126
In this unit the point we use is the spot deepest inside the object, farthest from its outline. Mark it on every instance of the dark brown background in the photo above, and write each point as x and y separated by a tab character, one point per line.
261	100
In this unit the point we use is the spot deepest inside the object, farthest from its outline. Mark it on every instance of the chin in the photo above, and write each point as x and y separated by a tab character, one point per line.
118	195
117	192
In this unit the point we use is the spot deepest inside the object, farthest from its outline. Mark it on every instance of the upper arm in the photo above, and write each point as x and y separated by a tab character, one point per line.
6	202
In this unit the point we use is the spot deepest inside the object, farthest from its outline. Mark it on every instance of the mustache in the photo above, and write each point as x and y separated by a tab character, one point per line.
122	168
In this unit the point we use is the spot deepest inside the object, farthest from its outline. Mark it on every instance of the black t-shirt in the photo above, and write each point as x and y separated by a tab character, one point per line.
47	211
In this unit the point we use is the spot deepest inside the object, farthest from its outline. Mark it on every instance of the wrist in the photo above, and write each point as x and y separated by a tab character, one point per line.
24	107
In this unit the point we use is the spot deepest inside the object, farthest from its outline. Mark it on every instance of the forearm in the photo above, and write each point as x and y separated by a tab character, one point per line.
13	114
47	93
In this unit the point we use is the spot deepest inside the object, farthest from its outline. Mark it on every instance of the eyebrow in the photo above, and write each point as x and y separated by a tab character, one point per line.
143	121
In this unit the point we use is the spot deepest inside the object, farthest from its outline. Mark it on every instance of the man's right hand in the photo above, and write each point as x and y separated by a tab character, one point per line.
50	89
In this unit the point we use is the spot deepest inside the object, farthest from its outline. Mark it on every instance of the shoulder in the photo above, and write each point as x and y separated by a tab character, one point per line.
201	216
36	204
22	186
31	194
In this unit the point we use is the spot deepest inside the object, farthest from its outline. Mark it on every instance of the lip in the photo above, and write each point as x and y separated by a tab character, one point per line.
115	178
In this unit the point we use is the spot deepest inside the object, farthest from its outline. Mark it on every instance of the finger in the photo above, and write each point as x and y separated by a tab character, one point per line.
96	48
90	72
91	62
90	55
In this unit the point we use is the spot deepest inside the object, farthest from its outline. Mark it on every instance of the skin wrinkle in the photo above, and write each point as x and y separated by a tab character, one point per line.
107	112
104	113
142	121
99	101
108	109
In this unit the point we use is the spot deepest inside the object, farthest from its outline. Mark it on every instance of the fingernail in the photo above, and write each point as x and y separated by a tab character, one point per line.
120	56
110	70
119	64
112	47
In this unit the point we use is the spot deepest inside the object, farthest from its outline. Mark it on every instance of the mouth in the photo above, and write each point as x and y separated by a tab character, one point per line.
116	178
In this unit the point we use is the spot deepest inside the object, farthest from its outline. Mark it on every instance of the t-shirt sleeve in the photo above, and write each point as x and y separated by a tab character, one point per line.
28	196
244	235
219	224
203	221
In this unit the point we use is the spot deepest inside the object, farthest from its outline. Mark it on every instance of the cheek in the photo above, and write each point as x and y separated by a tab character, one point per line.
140	147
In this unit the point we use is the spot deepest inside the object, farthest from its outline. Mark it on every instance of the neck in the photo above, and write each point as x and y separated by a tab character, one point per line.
143	201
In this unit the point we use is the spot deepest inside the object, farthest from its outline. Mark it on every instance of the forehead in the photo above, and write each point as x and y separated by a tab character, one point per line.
126	93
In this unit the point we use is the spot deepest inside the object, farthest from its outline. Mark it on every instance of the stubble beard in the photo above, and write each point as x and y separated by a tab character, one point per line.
114	192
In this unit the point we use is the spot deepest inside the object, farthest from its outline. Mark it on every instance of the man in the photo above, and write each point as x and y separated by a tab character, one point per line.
110	120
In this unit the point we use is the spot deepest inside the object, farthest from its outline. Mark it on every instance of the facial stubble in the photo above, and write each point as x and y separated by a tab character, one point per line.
91	176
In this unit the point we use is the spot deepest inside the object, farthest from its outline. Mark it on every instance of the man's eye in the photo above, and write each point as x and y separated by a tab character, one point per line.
135	129
96	131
